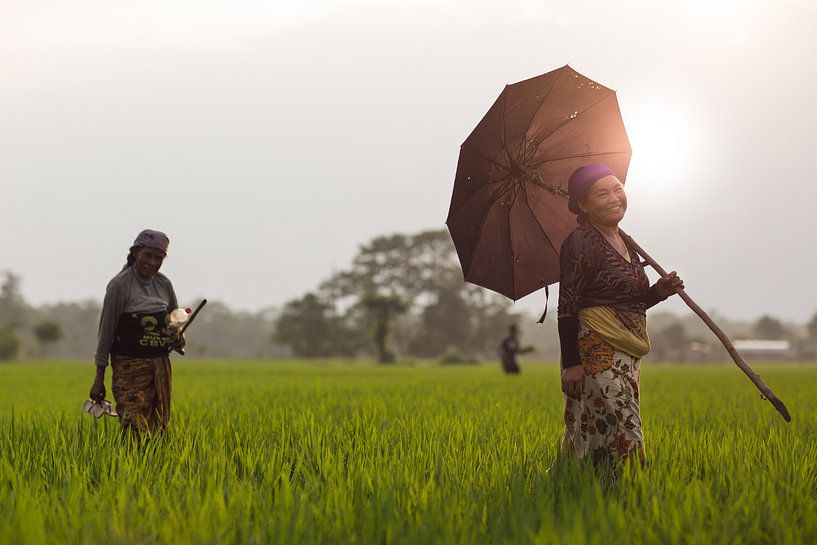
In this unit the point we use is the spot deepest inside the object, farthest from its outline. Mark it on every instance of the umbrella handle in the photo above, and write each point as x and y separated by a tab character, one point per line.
725	340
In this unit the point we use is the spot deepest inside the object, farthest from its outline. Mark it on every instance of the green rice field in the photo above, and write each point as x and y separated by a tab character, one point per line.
274	452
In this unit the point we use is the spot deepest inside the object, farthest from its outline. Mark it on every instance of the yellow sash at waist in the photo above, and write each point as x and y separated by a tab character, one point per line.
625	331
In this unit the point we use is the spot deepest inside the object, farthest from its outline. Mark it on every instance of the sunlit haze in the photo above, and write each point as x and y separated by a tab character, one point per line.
270	140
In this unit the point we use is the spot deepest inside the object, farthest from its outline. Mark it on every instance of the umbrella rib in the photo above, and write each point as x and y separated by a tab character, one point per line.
481	223
546	97
579	155
479	233
510	241
544	234
485	157
534	167
475	192
502	119
569	119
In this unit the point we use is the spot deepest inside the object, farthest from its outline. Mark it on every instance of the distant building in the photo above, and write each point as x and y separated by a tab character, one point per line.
766	349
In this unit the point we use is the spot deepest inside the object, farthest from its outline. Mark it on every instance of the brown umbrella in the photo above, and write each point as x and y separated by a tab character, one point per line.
508	215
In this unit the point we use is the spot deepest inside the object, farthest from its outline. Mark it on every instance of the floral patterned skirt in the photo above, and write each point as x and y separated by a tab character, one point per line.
605	423
142	387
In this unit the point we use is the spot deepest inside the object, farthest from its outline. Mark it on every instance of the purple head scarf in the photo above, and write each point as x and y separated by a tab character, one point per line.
152	239
582	180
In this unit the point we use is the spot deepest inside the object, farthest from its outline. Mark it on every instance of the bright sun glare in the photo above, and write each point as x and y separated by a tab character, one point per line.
667	149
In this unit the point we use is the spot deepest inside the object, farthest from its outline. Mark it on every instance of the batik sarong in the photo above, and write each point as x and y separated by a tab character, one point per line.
605	423
141	387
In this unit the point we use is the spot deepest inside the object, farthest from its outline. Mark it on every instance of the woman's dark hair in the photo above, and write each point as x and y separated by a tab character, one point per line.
131	257
581	217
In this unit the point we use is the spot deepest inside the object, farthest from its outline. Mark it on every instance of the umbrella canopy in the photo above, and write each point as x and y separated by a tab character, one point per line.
508	215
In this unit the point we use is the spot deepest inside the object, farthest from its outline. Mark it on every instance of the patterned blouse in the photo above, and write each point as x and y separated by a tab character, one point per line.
593	273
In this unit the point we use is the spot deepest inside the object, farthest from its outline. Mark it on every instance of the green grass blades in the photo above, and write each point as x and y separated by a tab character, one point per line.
273	452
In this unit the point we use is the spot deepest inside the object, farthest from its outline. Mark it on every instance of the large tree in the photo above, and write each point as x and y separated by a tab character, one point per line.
311	329
418	275
445	324
380	311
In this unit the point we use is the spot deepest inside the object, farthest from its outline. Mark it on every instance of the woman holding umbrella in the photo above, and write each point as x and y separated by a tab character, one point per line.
508	221
603	297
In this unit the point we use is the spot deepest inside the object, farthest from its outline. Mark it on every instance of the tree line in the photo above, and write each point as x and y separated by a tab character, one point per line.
402	296
68	330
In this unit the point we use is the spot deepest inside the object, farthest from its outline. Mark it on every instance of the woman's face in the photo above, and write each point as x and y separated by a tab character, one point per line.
148	261
606	202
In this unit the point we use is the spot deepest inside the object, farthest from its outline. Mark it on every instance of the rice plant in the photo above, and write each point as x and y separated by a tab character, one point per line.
273	452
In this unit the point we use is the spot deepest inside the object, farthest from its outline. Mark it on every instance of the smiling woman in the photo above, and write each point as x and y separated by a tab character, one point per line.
148	260
603	298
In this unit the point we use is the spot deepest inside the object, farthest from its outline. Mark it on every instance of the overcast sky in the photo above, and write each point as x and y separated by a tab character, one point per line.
270	139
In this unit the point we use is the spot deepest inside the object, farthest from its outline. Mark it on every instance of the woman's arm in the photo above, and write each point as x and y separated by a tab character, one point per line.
572	370
98	386
573	274
112	308
569	341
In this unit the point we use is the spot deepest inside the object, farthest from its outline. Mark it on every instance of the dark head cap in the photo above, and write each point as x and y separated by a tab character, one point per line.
152	239
582	180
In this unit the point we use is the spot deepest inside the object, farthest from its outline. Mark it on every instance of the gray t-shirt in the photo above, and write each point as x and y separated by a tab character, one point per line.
129	292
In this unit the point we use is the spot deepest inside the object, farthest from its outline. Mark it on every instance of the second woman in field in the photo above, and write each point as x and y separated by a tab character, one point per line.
133	333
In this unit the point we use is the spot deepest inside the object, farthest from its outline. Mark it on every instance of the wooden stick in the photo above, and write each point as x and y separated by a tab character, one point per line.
727	343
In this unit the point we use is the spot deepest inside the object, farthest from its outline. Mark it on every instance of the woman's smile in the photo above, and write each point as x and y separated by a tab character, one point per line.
605	202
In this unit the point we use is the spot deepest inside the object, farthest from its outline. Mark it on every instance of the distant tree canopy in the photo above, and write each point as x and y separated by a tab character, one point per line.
13	314
811	329
770	328
9	342
48	331
310	328
671	342
401	293
13	308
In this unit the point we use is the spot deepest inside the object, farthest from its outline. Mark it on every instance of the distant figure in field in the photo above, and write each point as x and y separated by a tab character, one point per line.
508	350
603	298
133	333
